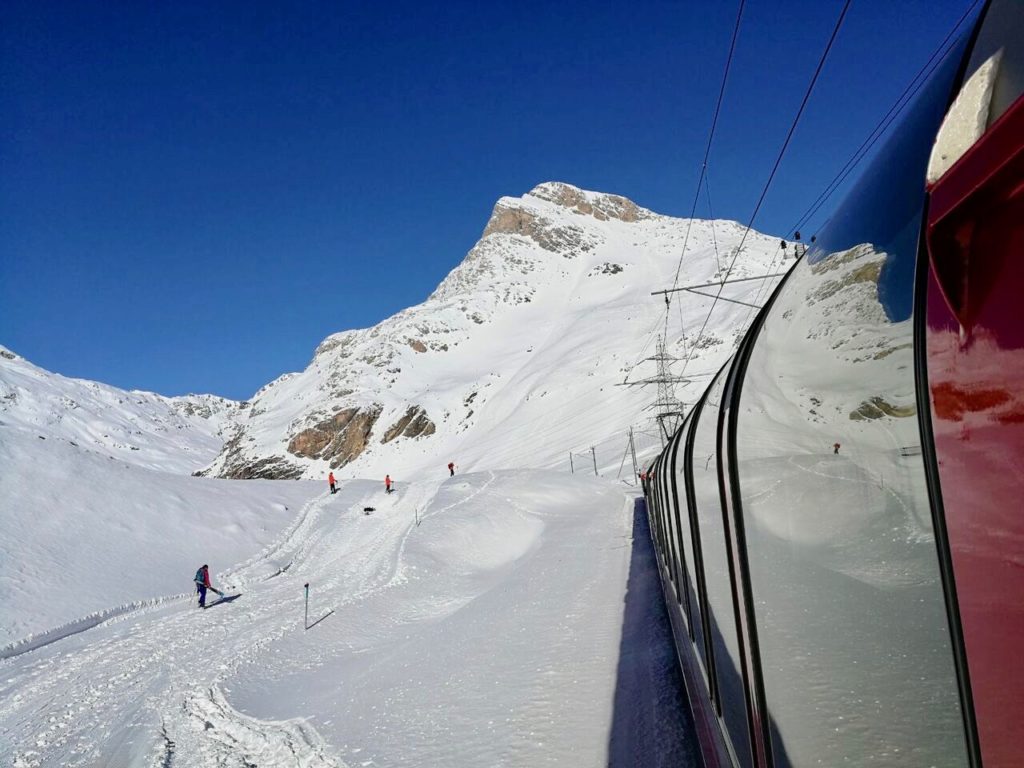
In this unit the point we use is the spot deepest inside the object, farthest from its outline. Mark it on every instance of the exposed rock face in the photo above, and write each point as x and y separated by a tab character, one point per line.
601	207
414	423
237	467
339	439
409	376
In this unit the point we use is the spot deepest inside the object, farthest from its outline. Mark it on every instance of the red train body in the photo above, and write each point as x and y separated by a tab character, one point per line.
865	606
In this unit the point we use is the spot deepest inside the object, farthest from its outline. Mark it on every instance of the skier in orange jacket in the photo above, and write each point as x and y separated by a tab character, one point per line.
330	482
387	483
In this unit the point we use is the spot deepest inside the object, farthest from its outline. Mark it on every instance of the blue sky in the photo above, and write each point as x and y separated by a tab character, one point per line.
193	195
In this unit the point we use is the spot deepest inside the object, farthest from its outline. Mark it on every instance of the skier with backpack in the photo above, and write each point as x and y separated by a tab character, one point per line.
202	580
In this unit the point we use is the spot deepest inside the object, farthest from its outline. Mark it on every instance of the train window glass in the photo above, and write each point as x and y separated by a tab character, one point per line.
656	499
677	492
999	39
672	509
854	645
686	532
722	619
995	80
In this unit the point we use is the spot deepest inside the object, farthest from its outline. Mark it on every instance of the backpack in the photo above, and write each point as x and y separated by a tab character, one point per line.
199	577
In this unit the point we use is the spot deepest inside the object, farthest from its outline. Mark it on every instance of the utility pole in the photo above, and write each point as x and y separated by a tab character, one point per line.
632	450
593	453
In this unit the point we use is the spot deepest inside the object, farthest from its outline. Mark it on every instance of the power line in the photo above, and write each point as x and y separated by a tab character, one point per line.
887	119
771	176
711	136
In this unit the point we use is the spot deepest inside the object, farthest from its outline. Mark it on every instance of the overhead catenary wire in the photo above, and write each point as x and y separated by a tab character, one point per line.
771	176
915	84
700	181
711	137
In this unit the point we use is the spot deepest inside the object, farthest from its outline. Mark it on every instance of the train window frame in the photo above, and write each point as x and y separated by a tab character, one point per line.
741	746
731	400
759	716
671	558
708	665
682	588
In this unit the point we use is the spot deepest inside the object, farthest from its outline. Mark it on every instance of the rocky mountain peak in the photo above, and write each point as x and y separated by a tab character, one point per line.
599	205
531	217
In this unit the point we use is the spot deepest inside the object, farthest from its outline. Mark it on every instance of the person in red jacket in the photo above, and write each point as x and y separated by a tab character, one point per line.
202	580
387	483
451	468
330	482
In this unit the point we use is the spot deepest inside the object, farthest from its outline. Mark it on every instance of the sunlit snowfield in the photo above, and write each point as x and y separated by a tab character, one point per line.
488	634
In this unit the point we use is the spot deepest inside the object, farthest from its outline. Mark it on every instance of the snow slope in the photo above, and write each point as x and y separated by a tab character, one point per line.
514	359
486	635
171	434
85	535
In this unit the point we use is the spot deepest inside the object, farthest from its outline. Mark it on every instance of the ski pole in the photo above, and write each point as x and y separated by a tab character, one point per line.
305	623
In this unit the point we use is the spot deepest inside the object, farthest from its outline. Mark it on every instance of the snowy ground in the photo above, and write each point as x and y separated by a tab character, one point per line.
86	536
489	634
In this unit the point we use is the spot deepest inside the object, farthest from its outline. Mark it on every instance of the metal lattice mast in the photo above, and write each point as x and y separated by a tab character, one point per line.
668	410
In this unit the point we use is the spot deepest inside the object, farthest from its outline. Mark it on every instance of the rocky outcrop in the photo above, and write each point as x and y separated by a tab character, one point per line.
601	207
236	466
567	240
415	423
339	439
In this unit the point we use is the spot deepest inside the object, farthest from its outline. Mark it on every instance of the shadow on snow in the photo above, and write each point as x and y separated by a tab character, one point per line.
651	721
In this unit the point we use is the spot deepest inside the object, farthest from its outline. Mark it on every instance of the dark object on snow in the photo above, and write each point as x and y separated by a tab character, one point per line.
368	510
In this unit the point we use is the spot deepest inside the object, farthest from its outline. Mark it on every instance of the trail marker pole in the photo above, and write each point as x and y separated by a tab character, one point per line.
632	450
305	623
593	454
572	469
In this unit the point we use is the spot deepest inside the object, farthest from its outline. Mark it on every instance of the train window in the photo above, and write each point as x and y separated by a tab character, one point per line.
722	618
855	651
686	533
681	515
999	41
672	508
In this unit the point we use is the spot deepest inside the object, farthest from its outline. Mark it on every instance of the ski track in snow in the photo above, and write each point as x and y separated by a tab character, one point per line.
152	656
144	686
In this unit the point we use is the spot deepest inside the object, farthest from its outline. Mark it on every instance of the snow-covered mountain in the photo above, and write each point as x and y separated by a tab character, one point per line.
514	359
170	434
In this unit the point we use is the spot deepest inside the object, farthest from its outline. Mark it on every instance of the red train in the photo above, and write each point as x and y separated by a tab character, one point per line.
840	520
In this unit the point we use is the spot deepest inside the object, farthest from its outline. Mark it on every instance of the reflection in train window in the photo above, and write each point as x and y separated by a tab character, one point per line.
854	643
691	584
677	504
724	641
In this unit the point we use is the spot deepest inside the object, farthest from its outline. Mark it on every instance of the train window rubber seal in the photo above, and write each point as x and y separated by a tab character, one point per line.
682	579
729	415
698	554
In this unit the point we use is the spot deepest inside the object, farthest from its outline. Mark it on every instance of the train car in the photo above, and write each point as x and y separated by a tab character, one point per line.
839	520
